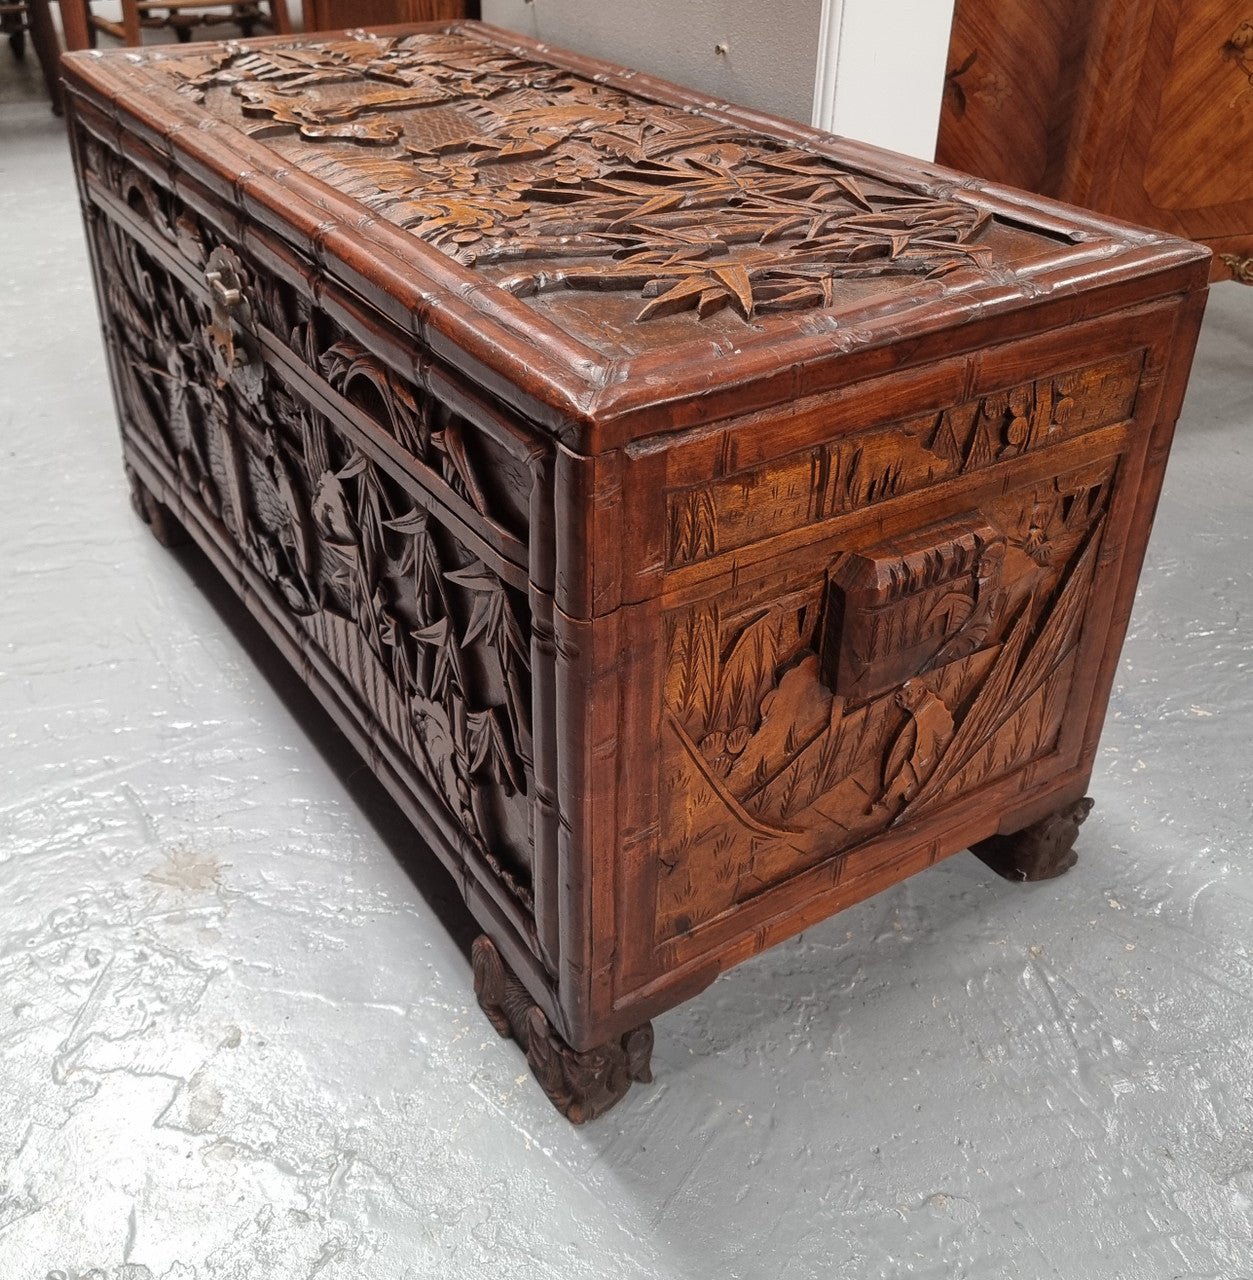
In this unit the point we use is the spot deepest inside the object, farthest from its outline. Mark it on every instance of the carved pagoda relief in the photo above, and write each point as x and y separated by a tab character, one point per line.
869	467
434	642
914	673
548	181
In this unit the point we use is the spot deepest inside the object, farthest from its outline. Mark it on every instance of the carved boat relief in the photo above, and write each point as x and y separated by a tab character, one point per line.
433	641
910	674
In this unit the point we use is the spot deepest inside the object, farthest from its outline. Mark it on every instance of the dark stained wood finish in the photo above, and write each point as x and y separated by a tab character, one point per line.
1041	851
1139	108
156	515
581	1085
697	522
34	18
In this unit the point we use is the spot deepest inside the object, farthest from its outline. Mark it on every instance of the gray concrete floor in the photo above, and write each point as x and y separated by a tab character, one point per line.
237	1035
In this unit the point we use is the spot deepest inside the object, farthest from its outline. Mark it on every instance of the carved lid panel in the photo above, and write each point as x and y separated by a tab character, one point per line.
553	186
647	227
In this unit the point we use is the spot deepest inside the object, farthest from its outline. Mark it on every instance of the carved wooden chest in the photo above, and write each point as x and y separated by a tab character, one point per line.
697	522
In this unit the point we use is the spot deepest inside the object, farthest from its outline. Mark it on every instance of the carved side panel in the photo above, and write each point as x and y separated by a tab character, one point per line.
435	643
869	467
909	675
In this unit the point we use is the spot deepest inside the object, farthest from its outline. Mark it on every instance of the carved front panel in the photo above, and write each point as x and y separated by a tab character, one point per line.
903	677
399	597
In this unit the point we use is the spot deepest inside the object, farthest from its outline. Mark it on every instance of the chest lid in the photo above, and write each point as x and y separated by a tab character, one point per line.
610	254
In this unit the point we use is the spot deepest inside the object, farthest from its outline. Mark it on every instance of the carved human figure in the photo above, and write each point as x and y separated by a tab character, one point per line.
985	611
918	747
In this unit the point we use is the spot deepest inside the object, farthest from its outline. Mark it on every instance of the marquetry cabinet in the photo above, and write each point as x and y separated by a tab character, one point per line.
1138	108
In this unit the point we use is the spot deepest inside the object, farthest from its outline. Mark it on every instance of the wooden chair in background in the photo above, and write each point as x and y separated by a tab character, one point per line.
34	18
327	15
183	15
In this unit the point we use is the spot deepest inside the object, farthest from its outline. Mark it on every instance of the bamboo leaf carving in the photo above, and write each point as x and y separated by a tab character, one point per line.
363	562
747	674
693	671
604	189
693	527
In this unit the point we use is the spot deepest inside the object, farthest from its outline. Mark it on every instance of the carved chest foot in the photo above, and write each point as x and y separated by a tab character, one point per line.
581	1086
1241	268
1038	852
156	515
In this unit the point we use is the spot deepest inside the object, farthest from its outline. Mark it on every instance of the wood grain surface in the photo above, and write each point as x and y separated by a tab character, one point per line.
1139	108
323	15
698	523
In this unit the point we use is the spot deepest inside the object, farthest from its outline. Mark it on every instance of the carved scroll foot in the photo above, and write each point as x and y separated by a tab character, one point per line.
1241	268
156	515
1038	852
581	1086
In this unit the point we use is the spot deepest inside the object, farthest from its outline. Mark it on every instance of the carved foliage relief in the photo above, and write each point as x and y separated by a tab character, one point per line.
435	644
914	672
548	181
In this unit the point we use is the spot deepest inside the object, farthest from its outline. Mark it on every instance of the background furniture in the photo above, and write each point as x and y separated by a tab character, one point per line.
74	24
33	18
326	15
1138	108
183	15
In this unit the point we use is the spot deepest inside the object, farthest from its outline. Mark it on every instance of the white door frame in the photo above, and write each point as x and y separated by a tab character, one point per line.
880	74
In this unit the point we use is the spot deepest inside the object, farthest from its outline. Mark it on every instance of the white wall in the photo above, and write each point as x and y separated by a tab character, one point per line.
771	45
881	67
